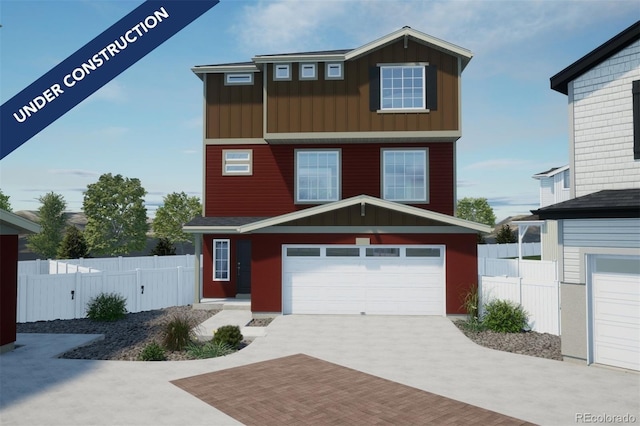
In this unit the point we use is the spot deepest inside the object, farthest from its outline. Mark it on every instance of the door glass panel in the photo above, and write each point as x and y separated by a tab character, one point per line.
423	252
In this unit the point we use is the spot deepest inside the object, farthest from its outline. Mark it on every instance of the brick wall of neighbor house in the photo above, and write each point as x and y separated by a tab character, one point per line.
603	124
461	268
8	288
343	105
270	190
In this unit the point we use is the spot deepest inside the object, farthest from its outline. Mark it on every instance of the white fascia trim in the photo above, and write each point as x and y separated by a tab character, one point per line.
364	230
273	59
450	48
20	224
235	141
220	69
363	200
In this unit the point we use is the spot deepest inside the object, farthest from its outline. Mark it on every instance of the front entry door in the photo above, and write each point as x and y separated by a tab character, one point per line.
243	267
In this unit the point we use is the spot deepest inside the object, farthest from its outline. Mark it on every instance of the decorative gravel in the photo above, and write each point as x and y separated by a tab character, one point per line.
543	345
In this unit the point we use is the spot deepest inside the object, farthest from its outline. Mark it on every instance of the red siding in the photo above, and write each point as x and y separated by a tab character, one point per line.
8	288
266	288
270	190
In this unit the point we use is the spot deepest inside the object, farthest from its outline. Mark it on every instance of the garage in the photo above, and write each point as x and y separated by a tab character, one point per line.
615	283
363	280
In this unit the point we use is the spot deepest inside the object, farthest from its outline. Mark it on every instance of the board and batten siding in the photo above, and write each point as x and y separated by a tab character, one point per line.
579	234
601	105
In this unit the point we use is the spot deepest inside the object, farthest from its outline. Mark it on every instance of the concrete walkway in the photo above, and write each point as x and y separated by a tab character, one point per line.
427	353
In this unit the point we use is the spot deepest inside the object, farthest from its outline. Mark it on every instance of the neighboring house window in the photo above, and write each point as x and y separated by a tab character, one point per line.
221	260
308	71
237	162
236	79
333	71
404	175
636	119
282	71
566	179
403	88
317	176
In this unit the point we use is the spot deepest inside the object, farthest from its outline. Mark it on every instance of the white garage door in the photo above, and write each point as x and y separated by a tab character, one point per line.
378	280
616	311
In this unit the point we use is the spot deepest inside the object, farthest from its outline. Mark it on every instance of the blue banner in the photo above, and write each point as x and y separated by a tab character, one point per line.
93	66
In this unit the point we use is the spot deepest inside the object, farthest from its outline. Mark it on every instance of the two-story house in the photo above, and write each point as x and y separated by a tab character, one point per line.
598	229
330	182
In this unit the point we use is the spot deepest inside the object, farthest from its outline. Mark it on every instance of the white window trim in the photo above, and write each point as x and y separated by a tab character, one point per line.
275	72
422	108
228	259
313	66
328	65
339	183
227	162
248	82
425	200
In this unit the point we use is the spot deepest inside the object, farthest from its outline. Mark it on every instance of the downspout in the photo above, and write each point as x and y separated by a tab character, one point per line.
196	266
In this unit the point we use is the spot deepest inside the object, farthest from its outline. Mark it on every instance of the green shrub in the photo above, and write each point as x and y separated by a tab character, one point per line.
152	352
107	307
210	349
504	316
229	335
178	332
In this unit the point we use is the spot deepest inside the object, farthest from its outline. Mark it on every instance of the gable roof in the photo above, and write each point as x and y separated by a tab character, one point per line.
209	225
551	172
611	203
343	54
560	81
11	223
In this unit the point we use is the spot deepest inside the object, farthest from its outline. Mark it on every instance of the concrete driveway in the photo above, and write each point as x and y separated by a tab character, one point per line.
427	353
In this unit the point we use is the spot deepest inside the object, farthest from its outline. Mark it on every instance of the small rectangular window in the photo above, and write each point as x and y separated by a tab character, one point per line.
221	260
237	162
303	251
383	252
343	252
423	252
308	72
236	79
333	71
282	71
566	179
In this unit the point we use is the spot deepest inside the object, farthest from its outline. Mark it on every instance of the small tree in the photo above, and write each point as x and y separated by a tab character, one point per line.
476	210
52	223
163	248
74	245
506	235
178	209
4	202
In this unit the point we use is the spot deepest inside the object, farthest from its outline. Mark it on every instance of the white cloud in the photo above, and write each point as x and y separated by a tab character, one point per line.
74	172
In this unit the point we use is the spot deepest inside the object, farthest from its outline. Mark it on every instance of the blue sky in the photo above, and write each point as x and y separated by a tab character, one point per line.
147	123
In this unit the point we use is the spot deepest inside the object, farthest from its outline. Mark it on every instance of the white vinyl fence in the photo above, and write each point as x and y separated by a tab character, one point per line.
502	251
64	292
530	283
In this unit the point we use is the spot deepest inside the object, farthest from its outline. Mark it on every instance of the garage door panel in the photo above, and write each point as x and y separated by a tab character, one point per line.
617	311
617	355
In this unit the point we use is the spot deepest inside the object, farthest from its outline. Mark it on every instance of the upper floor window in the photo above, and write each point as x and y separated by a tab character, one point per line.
333	71
566	179
317	176
237	162
282	71
238	79
308	71
404	175
402	87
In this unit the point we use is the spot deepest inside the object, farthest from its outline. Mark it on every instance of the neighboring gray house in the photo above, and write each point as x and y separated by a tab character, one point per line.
555	185
598	229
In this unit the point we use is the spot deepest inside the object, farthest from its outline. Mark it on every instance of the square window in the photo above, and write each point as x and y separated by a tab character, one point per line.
237	162
282	71
221	260
402	87
333	71
317	176
404	175
308	72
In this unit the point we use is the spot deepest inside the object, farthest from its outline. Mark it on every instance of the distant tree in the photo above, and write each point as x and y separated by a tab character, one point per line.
476	210
163	248
116	215
178	209
74	245
4	202
506	235
52	223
